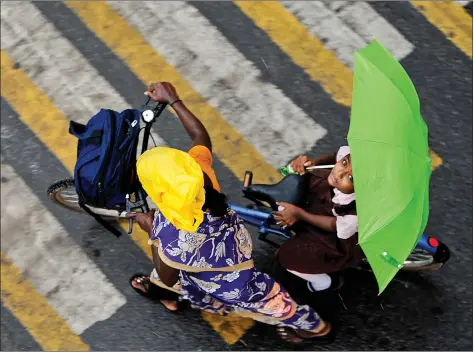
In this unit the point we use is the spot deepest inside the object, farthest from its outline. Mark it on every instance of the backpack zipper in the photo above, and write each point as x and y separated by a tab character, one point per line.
100	189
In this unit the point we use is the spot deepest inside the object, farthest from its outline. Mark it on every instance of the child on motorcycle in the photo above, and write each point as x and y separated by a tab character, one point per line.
325	224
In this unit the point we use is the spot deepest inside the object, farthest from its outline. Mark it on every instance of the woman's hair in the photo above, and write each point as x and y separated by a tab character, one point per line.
216	202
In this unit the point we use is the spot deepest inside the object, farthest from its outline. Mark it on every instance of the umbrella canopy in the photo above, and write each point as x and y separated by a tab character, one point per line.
388	139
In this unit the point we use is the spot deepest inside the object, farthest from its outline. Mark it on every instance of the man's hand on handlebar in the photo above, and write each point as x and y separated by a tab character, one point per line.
162	92
144	220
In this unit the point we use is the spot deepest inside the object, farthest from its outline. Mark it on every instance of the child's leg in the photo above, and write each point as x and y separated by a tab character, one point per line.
316	282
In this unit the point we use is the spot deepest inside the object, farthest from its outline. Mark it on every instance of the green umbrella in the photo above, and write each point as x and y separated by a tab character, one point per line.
388	139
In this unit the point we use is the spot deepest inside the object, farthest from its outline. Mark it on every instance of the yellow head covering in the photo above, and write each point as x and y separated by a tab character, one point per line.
175	182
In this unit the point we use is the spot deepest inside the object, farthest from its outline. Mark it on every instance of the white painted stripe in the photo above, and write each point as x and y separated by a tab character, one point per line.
347	26
258	110
56	266
55	65
365	21
330	29
463	3
336	4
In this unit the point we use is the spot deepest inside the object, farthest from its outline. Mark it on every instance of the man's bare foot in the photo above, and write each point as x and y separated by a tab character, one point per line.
143	283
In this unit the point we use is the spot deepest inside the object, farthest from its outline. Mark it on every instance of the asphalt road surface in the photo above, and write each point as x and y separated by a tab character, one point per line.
273	77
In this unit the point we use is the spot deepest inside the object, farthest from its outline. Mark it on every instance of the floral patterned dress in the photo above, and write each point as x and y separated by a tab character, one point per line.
217	273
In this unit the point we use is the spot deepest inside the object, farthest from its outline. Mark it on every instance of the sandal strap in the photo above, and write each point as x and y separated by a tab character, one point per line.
153	291
326	330
286	333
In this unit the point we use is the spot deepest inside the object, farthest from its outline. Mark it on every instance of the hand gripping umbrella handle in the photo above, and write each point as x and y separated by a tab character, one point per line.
287	170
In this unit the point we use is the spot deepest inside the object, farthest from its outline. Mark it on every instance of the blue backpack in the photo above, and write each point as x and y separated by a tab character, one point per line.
105	169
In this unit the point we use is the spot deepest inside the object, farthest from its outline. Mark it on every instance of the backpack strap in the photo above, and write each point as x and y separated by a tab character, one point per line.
99	219
79	131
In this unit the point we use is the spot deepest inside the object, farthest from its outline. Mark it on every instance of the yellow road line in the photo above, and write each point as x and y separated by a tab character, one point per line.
451	19
306	51
127	43
33	311
38	112
436	160
50	125
302	47
231	327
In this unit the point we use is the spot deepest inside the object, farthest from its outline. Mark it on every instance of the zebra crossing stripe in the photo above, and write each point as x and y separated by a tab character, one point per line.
255	108
55	265
347	26
451	19
34	312
320	63
55	66
302	47
148	65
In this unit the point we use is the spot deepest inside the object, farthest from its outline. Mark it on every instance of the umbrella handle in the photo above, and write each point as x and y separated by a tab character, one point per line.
287	170
319	167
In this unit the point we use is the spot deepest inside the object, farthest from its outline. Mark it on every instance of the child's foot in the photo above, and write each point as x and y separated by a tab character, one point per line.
143	283
337	281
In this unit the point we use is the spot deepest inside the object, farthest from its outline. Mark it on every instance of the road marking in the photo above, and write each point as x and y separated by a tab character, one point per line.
314	63
326	25
304	49
451	19
462	3
230	147
33	311
436	160
39	115
349	27
49	124
57	267
258	110
55	65
231	327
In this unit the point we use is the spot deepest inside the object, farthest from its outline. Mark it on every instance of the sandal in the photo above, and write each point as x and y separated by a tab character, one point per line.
153	292
291	335
288	335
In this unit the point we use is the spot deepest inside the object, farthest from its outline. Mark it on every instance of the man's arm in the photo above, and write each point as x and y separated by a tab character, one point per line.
194	128
164	92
